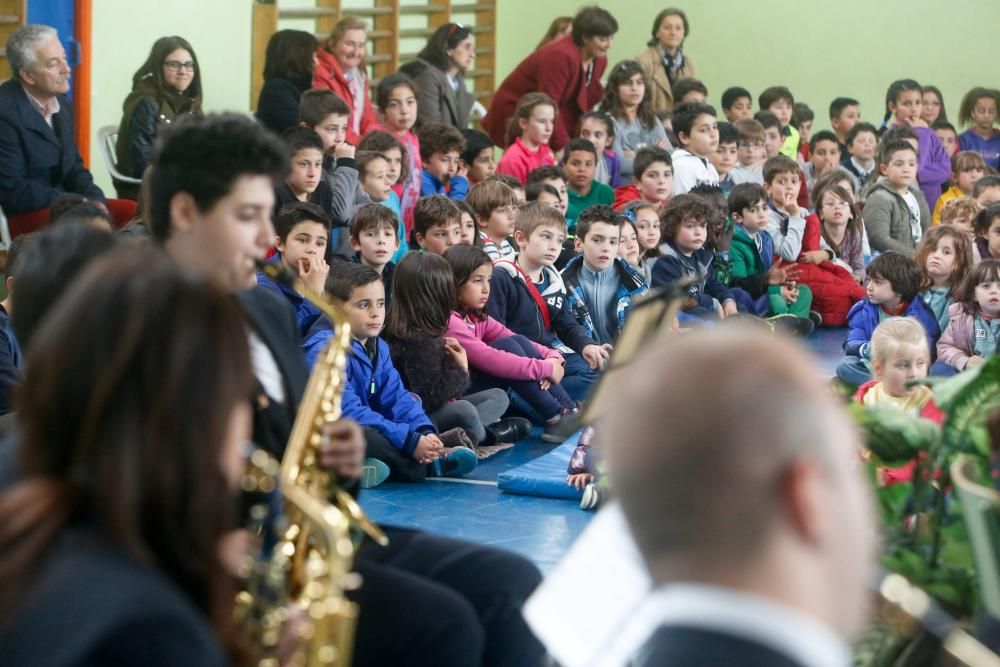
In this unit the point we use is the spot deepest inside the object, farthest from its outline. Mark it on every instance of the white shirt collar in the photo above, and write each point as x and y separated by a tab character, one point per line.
47	111
781	628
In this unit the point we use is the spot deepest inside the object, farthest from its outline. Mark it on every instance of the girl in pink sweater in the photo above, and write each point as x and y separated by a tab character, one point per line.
528	136
500	358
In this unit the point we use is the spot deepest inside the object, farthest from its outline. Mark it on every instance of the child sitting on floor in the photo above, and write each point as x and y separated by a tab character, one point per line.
394	152
397	430
436	224
647	228
987	229
601	286
967	168
500	358
495	206
434	366
771	285
374	241
528	135
528	296
685	229
961	214
893	291
899	357
973	331
440	148
477	158
654	178
944	258
301	242
598	129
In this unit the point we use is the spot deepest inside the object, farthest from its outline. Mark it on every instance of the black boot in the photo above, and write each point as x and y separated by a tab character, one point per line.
511	429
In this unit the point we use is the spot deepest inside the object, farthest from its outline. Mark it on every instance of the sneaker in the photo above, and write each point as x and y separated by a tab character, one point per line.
373	473
456	462
789	324
591	499
565	425
816	318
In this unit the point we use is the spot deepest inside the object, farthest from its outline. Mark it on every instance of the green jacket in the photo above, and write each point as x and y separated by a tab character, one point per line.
750	269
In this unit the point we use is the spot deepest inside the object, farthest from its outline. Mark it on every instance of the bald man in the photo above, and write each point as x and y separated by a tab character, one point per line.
741	496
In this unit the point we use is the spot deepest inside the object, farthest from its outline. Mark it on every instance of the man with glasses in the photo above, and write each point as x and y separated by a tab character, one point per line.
39	159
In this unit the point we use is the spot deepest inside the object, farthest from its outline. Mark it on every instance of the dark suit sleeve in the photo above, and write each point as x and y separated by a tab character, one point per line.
18	193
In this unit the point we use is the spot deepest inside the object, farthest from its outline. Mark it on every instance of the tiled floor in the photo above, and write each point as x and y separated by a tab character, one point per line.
473	509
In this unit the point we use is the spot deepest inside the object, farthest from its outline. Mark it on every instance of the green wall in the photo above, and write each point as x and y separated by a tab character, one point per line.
802	44
732	42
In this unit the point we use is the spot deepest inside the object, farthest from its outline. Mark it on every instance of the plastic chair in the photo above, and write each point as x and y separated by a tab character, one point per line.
981	509
107	138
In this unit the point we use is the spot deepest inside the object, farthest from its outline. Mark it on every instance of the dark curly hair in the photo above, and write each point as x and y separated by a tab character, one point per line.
592	215
681	208
439	138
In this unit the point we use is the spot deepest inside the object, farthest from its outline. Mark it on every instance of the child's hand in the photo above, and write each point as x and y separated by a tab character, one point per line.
313	271
790	204
428	449
974	361
782	273
457	352
662	143
343	150
916	121
463	170
729	309
629	154
342	449
558	371
814	256
579	480
789	294
596	355
721	235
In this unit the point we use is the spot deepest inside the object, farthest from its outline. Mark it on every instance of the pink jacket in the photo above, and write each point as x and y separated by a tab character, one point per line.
518	160
956	344
476	339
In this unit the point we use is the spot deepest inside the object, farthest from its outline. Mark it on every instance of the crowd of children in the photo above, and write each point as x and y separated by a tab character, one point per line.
503	280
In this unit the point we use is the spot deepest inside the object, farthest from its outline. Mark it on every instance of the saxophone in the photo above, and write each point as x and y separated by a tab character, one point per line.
309	563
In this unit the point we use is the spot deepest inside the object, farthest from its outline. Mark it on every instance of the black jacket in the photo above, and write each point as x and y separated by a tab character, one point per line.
37	162
91	605
272	319
680	646
278	104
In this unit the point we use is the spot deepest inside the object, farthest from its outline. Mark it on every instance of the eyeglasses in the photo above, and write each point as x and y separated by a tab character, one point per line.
176	65
835	204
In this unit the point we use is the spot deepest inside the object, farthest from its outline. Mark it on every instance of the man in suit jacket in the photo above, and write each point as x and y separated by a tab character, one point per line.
39	159
743	500
211	197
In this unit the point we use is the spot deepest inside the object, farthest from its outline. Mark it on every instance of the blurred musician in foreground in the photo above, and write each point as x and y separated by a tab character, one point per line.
742	496
424	598
133	415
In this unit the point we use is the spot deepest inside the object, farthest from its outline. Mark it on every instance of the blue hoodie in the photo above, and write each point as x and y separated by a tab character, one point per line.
306	314
374	394
864	317
456	188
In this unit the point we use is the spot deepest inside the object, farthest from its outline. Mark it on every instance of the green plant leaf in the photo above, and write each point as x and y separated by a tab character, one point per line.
947	593
892	501
893	436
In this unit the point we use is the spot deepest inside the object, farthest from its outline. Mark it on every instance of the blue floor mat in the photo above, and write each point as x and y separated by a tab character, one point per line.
544	477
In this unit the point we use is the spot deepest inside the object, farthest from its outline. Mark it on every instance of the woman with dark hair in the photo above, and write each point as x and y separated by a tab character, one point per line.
568	70
131	454
340	67
627	99
664	62
288	72
439	72
167	86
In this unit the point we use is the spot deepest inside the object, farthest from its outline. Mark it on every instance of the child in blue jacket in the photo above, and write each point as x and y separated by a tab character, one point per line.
893	287
397	430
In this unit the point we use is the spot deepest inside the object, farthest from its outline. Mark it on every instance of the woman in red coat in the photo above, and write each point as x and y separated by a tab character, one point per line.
340	67
568	70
